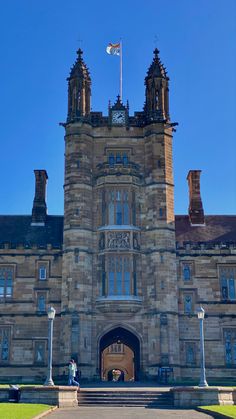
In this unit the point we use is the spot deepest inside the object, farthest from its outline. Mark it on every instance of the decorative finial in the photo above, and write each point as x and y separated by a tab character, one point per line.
156	52
79	52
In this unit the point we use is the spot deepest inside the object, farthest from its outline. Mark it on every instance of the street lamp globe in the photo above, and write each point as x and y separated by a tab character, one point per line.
51	313
201	313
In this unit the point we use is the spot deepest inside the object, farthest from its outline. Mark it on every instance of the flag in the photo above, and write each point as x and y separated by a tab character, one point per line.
113	49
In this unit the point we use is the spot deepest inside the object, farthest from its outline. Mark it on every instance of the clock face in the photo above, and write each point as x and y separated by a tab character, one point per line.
118	117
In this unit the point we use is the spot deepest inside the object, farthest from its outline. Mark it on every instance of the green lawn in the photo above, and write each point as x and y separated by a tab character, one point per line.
21	410
229	411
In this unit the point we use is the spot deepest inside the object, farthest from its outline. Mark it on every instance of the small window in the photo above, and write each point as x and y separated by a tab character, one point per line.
116	348
188	304
42	273
76	256
40	352
4	343
6	281
160	212
190	354
186	272
41	302
230	347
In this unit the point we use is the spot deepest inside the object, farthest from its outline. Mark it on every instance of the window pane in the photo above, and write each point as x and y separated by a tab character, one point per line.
42	273
186	272
126	213
187	304
41	303
111	159
4	344
119	275
111	284
228	348
118	158
1	291
8	291
119	283
224	288
190	355
118	213
127	283
231	289
125	159
111	214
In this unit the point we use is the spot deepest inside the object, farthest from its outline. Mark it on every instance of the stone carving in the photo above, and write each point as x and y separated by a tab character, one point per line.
136	241
118	240
102	241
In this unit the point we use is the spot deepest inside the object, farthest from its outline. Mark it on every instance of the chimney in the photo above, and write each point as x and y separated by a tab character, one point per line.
195	209
39	211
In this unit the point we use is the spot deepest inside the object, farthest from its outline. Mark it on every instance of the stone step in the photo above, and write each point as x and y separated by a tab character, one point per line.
121	398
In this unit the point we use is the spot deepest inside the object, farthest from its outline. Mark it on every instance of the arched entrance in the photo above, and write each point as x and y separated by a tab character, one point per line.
119	350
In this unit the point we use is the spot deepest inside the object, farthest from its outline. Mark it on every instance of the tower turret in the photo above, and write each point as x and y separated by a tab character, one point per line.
79	90
156	105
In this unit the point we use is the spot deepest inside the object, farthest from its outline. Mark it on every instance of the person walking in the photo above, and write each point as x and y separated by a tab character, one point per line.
72	374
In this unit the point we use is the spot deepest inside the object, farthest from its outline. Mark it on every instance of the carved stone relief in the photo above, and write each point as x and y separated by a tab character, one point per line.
118	240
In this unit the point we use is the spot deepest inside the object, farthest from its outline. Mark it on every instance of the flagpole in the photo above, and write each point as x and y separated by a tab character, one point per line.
121	70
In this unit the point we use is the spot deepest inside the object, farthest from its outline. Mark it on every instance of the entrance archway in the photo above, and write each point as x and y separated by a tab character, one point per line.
120	350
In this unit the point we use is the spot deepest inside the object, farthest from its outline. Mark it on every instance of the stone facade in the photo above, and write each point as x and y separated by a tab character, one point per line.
119	267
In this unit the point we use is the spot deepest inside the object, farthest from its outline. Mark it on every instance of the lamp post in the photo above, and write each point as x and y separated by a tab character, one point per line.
51	315
201	314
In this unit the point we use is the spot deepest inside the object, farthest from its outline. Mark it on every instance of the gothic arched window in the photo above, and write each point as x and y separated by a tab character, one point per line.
227	282
118	207
119	273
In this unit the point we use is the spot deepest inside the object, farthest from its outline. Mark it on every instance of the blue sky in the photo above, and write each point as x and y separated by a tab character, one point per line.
197	43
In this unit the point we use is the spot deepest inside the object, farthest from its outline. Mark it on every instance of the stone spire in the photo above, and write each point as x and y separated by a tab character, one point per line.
156	106
79	90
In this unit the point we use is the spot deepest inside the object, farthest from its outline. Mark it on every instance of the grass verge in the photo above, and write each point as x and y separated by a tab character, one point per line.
22	410
225	411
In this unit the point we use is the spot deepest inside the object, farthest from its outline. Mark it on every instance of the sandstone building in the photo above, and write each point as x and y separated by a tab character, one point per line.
124	274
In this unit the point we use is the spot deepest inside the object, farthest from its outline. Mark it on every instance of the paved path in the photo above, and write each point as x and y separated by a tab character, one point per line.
125	413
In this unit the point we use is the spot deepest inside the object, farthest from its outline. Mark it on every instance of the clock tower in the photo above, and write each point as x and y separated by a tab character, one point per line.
119	261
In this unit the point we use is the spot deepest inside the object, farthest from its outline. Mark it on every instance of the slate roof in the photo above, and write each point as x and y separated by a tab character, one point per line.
217	229
17	229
